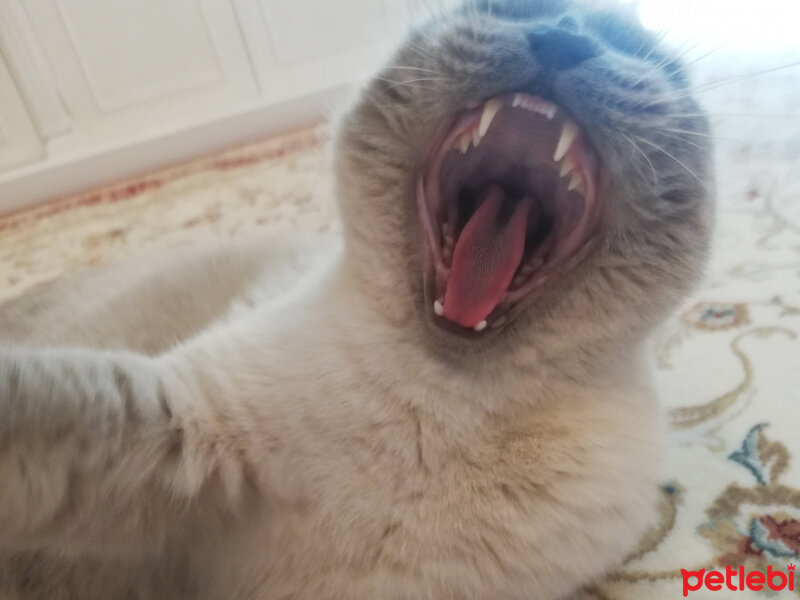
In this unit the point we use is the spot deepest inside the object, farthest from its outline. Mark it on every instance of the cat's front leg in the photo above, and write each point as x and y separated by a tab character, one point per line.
96	450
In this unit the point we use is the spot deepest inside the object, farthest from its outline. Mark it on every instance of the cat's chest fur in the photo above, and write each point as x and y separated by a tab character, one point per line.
379	491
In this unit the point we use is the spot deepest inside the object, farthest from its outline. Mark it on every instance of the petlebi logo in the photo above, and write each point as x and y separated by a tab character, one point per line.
737	580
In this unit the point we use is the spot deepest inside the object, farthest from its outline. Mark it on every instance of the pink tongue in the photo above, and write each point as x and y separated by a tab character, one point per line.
485	259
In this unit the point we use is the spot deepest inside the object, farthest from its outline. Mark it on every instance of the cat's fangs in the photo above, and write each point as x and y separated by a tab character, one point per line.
474	136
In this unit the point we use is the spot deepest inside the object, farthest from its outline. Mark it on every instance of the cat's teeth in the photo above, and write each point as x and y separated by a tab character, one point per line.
576	183
463	142
447	233
490	109
536	105
480	326
438	309
568	135
567	166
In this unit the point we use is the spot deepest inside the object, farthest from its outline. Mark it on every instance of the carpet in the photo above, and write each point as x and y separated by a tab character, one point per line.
727	363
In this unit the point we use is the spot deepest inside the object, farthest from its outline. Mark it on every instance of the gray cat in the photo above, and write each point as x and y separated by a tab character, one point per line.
453	403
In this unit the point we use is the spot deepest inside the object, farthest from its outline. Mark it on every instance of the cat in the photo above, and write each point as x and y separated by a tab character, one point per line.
452	401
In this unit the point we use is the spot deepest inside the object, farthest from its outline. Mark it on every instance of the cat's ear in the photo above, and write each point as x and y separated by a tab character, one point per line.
622	29
629	12
625	8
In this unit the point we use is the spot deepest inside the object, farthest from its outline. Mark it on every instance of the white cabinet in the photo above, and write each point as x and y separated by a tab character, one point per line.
128	67
94	90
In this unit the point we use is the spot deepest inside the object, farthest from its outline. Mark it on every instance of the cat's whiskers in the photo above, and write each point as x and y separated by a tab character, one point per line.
682	132
417	80
717	84
396	82
714	116
421	32
656	44
706	55
673	157
688	132
419	51
682	139
682	51
639	150
408	68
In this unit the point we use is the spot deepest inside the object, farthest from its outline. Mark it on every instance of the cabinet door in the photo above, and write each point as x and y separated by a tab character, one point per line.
19	142
127	68
300	47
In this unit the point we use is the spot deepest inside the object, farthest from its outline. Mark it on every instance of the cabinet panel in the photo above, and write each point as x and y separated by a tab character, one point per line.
19	143
170	51
299	47
130	68
301	29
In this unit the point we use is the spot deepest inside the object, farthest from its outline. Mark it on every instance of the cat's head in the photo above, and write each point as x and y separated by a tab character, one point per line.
527	172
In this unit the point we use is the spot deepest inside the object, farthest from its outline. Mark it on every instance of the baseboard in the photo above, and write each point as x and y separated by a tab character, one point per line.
37	183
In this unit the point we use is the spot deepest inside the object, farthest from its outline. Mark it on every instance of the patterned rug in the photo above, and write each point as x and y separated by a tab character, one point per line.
728	362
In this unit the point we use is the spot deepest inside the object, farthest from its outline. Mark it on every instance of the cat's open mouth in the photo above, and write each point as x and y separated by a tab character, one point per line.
508	199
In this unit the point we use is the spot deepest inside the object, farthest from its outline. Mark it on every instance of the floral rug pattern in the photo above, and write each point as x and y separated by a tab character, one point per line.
727	364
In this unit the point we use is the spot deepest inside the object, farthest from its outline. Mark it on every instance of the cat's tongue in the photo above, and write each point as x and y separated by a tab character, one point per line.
485	258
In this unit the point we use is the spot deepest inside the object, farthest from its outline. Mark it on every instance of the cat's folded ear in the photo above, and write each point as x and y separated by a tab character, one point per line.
621	27
625	8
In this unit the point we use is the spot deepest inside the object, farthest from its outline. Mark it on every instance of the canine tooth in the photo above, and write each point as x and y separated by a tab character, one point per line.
575	181
489	111
550	111
438	308
480	326
447	235
567	166
517	100
568	135
463	142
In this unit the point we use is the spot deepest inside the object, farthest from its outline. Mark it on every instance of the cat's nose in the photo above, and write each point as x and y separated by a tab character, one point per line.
559	48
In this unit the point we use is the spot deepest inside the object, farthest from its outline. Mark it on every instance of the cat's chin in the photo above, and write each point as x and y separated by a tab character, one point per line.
508	199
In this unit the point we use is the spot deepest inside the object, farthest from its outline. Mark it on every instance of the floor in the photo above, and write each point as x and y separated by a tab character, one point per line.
727	363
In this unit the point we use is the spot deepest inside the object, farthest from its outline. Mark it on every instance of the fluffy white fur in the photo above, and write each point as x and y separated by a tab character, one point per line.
307	450
281	421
